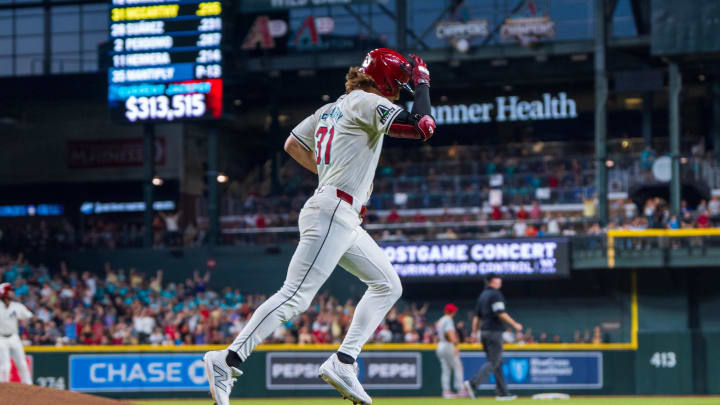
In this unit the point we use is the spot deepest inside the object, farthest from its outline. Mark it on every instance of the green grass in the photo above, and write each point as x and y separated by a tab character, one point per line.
439	401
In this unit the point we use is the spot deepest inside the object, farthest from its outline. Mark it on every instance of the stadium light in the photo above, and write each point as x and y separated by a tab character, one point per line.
462	45
222	178
157	181
633	103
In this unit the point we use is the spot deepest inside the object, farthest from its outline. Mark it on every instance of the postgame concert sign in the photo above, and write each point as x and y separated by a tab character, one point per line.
513	258
166	61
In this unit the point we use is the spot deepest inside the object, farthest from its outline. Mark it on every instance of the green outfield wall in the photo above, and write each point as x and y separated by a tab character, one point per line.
663	364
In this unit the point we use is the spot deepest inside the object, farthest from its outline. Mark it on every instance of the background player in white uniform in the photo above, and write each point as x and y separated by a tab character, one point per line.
341	142
10	344
448	353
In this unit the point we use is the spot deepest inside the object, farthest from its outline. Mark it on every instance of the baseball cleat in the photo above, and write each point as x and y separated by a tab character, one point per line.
470	389
506	397
221	377
343	377
449	395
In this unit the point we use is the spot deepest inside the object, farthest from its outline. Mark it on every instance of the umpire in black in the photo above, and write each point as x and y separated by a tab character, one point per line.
490	311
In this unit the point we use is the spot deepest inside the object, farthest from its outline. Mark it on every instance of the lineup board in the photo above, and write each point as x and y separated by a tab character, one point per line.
166	60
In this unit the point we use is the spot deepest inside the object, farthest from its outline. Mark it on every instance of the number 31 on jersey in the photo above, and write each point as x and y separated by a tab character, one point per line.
323	143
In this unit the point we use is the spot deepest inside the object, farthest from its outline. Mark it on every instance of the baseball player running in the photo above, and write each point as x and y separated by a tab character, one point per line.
449	354
341	142
10	343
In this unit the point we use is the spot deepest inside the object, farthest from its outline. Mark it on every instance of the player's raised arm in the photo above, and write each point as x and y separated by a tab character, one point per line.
418	123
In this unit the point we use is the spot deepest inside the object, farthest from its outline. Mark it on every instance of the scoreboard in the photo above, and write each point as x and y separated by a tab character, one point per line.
166	60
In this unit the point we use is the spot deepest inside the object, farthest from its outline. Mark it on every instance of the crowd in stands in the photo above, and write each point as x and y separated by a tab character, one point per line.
120	307
455	176
98	232
395	225
454	192
655	213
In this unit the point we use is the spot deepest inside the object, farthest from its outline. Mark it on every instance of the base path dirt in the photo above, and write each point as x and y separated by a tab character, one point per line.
20	394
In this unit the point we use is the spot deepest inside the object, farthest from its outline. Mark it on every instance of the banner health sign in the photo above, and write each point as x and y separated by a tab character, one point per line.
137	372
527	257
538	370
378	370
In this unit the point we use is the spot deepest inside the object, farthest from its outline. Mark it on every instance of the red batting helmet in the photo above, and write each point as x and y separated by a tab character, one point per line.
450	309
388	68
4	288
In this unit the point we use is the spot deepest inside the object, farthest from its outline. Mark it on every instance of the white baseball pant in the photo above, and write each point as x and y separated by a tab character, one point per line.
12	347
449	363
330	234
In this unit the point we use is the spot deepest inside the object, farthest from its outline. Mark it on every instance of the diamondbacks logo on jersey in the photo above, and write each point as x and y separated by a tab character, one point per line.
384	112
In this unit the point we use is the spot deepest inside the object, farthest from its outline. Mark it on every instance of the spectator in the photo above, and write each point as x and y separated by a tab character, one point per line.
684	207
260	221
630	209
553	227
519	228
190	235
647	158
448	234
394	325
531	231
172	227
714	208
392	217
522	214
158	229
535	211
496	213
702	206
703	219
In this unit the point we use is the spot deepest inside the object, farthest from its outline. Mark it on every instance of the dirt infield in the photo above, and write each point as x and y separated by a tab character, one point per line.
20	394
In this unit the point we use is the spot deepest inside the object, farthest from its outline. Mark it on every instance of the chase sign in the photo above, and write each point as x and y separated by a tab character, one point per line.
137	372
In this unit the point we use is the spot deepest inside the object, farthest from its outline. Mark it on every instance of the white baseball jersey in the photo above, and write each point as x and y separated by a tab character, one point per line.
444	325
10	315
347	138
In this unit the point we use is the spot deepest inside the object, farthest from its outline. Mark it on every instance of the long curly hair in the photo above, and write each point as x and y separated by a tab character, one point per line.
356	80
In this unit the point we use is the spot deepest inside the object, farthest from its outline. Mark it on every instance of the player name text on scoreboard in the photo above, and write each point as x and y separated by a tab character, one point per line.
166	60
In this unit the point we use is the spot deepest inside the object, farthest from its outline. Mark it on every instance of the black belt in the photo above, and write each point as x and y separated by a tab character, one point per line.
7	336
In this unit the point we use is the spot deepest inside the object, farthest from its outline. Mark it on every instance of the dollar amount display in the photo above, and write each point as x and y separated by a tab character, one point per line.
165	60
164	107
